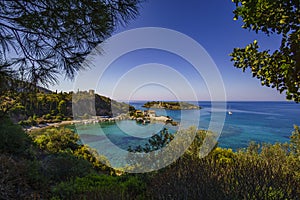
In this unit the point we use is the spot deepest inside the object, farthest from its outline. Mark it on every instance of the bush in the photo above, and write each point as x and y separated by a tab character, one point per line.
55	140
16	182
270	173
36	179
64	166
29	122
59	118
12	137
47	116
94	186
64	140
99	162
41	121
295	141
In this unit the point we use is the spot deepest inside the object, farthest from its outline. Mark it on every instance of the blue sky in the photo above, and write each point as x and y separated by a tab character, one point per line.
211	24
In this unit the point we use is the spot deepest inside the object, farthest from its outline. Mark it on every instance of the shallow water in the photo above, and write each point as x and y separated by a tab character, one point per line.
263	122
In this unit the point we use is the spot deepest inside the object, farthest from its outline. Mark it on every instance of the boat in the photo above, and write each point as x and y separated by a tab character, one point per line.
229	110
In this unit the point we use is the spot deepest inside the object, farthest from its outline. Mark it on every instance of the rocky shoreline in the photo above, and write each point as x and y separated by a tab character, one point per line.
99	119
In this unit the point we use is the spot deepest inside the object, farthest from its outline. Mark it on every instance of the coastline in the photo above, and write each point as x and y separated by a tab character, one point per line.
48	125
93	120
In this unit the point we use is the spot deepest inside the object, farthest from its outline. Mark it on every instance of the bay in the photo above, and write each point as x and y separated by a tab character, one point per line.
262	122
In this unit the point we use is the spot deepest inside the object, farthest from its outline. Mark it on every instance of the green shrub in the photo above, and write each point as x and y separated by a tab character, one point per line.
12	137
35	177
55	140
16	182
94	186
99	162
41	121
59	117
47	116
29	122
295	141
61	140
258	172
64	166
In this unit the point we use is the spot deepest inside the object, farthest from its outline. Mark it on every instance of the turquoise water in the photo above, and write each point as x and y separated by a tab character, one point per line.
263	122
251	121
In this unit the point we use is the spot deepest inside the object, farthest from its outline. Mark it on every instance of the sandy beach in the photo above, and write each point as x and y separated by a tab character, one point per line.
85	121
47	125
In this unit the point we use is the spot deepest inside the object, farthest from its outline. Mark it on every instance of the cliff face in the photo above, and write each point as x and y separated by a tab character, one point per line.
86	103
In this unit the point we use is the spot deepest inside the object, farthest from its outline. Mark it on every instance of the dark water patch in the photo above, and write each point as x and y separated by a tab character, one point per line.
231	131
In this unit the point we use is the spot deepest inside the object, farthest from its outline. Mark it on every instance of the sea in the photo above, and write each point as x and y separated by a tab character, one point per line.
261	122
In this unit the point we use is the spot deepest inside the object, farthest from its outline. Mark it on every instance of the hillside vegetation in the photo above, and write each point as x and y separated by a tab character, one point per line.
53	164
169	105
38	108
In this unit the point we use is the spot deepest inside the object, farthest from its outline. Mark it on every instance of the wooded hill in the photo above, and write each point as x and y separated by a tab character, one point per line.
33	108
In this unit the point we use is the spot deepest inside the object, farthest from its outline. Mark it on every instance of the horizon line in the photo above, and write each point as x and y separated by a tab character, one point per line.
213	101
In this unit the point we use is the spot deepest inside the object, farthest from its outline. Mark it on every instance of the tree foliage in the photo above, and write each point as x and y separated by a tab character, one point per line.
257	172
295	141
13	139
31	108
68	170
280	69
56	140
40	39
95	186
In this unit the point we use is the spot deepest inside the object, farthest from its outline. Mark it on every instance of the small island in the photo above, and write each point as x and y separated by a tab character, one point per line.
148	116
169	105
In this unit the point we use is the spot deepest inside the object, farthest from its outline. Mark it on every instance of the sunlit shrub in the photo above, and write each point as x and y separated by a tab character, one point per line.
295	141
99	162
94	186
54	140
258	172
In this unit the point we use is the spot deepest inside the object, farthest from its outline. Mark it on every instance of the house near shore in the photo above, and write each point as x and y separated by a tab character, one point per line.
139	113
145	113
150	113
